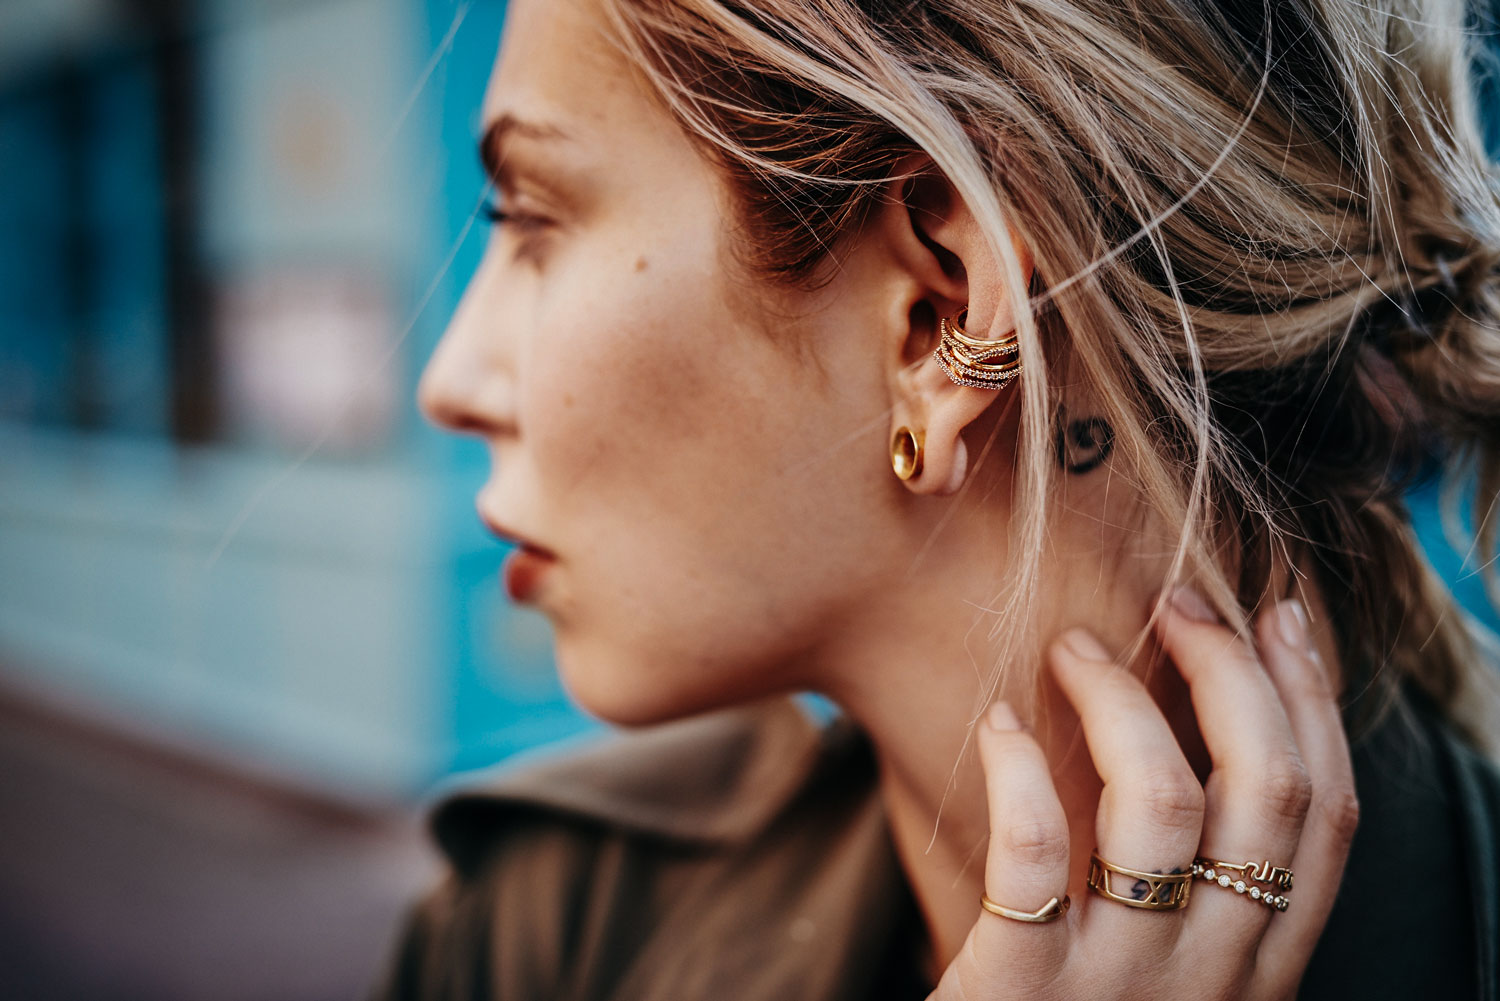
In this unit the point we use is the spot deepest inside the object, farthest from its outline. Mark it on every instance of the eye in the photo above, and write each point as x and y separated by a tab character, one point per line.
495	214
525	234
499	216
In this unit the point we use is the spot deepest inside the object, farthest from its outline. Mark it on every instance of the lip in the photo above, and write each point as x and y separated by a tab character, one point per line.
505	533
523	574
526	566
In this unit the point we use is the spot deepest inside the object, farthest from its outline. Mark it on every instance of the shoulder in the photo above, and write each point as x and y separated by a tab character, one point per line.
561	867
1430	805
1475	781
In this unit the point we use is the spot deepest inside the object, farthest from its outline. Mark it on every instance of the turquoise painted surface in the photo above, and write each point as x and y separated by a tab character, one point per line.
504	695
334	618
1459	566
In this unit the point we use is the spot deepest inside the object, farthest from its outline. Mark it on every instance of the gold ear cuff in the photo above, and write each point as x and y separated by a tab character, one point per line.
970	361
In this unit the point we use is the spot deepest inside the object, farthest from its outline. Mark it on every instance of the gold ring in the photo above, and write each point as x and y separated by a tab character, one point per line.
1280	877
1050	911
1162	891
1261	872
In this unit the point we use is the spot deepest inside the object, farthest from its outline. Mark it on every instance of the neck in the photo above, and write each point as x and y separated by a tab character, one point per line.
914	673
919	701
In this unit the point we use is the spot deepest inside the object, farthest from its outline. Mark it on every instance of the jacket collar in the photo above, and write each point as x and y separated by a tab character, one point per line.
715	779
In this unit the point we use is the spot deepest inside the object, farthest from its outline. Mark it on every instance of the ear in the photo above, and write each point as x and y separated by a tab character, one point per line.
946	266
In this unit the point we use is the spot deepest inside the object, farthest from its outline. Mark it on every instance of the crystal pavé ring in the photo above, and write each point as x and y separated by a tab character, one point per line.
1242	877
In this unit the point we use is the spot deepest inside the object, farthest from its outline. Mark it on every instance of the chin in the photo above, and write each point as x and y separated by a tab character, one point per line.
630	689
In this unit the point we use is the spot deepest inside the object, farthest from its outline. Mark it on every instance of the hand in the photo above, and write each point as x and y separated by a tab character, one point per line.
1281	789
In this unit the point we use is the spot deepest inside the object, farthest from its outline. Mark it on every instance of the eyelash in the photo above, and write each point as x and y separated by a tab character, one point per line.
497	216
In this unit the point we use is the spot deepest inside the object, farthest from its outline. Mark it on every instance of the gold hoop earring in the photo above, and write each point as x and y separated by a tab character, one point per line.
906	453
968	360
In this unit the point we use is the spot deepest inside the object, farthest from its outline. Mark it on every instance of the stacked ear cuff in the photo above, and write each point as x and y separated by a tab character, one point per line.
970	361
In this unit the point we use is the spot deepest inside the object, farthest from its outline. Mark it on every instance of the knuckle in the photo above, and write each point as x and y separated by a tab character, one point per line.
1012	748
1173	798
1340	811
969	982
1306	680
1057	651
1063	652
1242	658
994	963
1039	845
1286	789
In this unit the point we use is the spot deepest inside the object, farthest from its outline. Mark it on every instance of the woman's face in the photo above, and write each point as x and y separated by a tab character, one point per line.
701	457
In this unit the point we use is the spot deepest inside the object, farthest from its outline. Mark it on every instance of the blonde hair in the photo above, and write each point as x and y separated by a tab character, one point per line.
1270	243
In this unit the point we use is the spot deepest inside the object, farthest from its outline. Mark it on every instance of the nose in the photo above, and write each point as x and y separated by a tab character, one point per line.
468	384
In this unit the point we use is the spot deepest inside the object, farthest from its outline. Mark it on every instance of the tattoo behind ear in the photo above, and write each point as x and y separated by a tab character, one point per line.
1083	444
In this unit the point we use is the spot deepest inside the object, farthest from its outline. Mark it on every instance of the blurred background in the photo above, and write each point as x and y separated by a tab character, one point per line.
247	613
248	617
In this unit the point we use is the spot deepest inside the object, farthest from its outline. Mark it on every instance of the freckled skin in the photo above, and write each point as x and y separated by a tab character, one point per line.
709	460
707	455
628	415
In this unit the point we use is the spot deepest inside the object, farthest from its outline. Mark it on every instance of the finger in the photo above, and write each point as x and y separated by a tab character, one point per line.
1151	808
1027	862
1308	694
1258	791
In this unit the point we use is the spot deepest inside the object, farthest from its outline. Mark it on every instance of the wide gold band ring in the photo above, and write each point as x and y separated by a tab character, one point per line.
1241	877
1150	891
1050	911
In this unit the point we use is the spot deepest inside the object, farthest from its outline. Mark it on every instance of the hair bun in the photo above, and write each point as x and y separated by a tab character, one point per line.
1445	338
1450	287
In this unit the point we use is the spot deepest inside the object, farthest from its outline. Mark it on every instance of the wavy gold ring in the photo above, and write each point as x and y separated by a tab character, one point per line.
1246	874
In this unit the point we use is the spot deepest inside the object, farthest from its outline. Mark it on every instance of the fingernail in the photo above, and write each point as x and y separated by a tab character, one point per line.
1083	644
1002	718
1193	605
1291	622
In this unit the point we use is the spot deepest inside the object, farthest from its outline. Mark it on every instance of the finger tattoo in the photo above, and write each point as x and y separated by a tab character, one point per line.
1142	889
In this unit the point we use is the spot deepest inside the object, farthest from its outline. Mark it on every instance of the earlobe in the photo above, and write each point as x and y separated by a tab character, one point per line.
957	464
941	475
960	470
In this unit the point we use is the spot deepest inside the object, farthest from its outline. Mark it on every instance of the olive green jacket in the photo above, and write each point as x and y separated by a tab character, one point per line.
744	856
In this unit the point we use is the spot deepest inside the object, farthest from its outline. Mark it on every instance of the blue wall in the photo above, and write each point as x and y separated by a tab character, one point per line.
322	607
305	589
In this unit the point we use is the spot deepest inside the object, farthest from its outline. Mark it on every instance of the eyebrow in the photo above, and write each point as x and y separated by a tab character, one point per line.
498	132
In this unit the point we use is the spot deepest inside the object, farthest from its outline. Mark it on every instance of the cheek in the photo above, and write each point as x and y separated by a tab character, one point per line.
645	391
651	440
672	445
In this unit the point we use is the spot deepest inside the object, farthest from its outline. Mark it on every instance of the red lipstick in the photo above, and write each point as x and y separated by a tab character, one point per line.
524	568
525	565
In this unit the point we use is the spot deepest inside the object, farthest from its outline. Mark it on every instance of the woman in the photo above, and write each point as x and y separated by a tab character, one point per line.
1039	382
